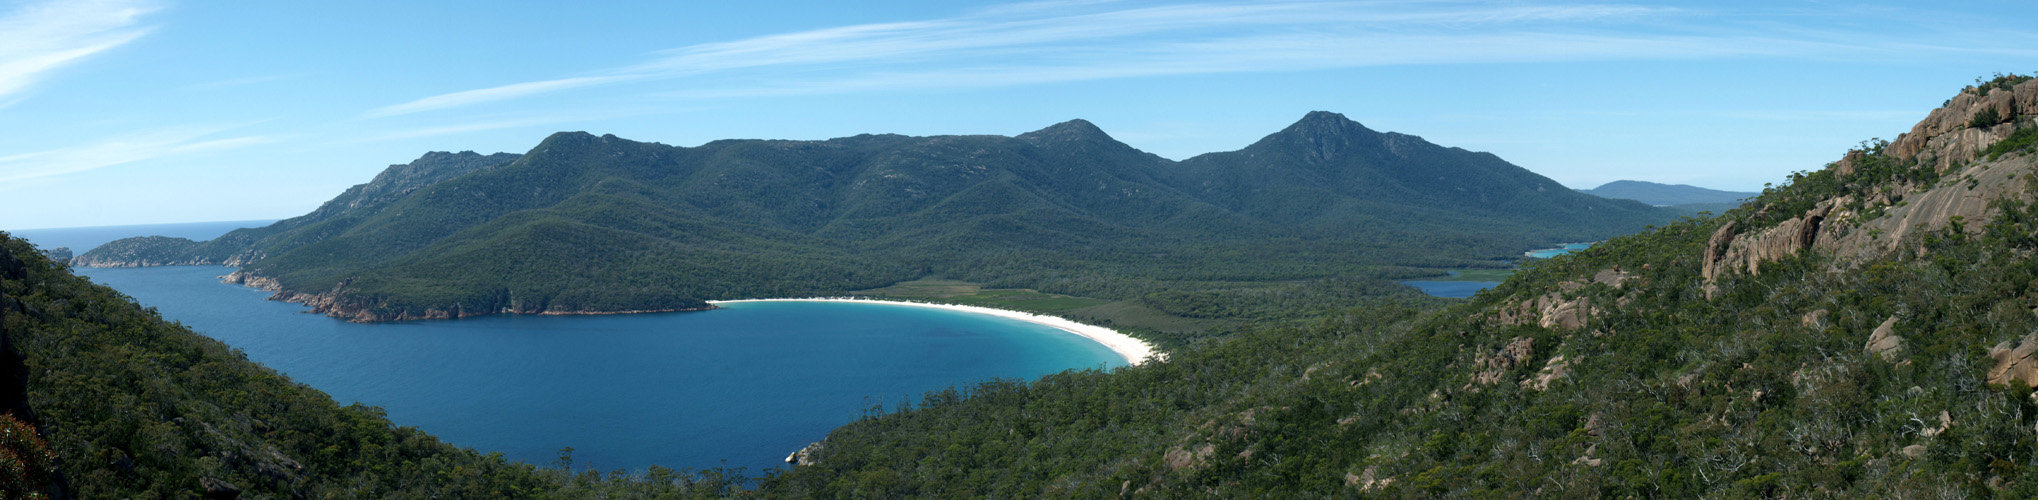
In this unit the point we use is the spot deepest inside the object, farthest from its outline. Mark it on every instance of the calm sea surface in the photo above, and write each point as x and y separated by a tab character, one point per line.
82	239
737	387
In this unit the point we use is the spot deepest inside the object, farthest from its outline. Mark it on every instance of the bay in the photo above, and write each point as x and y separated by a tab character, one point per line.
741	386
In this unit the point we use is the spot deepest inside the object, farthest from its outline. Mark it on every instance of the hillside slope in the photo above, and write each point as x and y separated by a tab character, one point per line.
599	224
1865	331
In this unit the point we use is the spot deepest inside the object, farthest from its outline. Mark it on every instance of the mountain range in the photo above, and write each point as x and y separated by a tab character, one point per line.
585	223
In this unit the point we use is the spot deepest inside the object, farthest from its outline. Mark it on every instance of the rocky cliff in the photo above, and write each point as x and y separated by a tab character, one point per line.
339	303
1966	124
1883	195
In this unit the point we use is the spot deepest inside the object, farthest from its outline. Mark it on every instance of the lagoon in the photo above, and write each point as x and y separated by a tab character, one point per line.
740	386
1559	250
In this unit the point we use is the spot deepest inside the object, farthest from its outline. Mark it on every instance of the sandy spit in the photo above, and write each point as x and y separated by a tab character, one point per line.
1134	351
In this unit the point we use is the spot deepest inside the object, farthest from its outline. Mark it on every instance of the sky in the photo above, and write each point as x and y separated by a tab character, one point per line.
116	112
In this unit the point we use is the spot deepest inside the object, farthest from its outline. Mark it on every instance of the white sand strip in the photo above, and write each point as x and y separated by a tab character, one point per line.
1134	351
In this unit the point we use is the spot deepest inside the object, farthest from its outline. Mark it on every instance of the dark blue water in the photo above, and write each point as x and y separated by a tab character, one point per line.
83	239
1452	289
747	384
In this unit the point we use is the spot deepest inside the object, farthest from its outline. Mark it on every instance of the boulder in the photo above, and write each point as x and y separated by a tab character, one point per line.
1716	250
219	490
1885	342
1368	480
2015	360
1815	320
1494	366
1557	368
1915	451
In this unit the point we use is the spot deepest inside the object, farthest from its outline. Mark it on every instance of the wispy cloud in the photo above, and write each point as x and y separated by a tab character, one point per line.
519	120
1074	40
121	150
511	91
477	126
39	38
1060	41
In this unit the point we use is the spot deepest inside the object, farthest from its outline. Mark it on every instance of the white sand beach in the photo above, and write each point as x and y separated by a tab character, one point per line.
1134	351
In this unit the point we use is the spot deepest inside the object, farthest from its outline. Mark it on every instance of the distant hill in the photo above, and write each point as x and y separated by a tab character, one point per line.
585	223
1668	194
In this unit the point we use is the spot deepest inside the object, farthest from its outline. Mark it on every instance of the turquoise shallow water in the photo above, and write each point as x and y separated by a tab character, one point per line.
736	387
1560	250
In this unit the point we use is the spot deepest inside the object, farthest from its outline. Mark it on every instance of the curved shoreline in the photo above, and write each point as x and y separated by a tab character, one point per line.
1135	351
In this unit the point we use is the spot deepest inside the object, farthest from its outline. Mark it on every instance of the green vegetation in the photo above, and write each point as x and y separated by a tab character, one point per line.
1985	118
974	294
2018	141
586	223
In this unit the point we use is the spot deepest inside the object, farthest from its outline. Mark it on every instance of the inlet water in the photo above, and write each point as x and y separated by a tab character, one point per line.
736	387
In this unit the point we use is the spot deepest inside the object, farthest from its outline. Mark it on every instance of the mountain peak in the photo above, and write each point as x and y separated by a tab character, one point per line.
1068	131
1320	136
1324	124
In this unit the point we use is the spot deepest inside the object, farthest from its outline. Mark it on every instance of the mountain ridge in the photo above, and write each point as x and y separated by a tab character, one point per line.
1666	194
1044	209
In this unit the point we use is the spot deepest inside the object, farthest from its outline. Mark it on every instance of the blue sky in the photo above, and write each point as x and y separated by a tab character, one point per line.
135	112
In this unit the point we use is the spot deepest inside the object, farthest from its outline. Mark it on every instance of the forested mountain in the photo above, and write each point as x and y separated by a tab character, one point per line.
1864	331
583	223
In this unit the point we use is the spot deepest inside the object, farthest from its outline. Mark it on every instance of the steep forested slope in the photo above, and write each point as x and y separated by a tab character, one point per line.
1865	331
584	223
